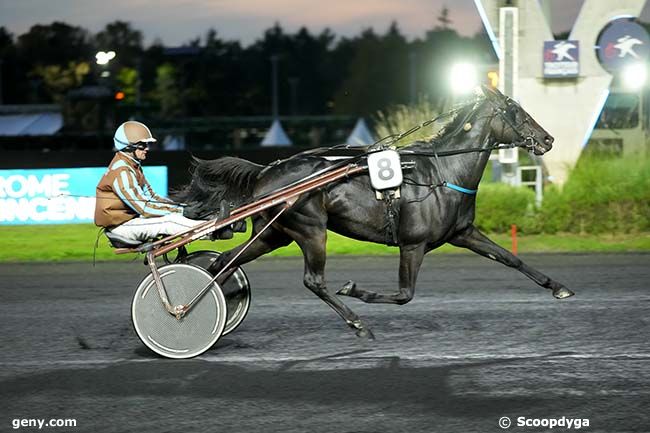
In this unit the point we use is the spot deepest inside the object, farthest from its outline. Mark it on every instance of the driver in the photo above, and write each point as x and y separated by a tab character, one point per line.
126	204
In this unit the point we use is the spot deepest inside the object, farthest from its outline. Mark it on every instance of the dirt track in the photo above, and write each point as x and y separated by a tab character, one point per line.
479	342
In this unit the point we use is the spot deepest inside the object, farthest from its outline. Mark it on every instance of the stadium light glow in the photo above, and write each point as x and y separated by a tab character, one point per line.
463	78
634	76
103	57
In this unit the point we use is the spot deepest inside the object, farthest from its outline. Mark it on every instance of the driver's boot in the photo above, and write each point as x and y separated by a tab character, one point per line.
226	232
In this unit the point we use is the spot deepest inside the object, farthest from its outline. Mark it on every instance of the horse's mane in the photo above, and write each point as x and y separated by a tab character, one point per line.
458	118
227	178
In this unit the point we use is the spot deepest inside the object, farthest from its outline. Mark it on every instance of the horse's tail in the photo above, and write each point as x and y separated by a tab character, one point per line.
228	178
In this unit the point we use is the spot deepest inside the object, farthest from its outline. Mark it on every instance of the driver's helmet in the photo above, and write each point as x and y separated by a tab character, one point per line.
130	133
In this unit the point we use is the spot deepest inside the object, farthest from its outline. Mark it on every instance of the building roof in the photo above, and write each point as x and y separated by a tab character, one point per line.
12	125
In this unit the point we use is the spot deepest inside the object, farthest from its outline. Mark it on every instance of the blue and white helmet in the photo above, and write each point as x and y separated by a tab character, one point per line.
131	133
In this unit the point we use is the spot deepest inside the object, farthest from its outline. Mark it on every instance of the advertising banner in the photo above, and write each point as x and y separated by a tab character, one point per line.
58	196
561	59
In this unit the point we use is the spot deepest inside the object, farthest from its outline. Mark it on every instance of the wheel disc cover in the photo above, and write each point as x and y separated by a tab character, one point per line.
193	334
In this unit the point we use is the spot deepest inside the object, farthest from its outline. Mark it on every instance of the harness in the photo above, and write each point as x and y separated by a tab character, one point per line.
390	198
460	188
392	210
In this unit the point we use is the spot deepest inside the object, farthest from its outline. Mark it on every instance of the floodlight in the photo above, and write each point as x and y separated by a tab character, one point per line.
634	76
463	78
102	57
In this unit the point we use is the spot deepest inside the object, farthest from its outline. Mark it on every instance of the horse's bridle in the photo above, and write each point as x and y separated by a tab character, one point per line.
527	142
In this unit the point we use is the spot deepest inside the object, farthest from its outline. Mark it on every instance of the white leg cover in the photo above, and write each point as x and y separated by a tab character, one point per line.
143	229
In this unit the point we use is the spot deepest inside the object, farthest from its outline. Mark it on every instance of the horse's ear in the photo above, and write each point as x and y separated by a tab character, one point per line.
489	92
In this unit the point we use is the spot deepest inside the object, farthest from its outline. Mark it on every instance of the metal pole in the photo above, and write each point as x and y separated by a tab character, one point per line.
1	81
412	77
138	87
274	85
186	308
293	83
508	76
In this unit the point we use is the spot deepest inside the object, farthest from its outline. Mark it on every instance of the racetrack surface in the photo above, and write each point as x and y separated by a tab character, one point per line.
478	342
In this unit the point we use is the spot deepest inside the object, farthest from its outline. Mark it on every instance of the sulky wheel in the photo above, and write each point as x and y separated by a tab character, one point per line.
236	288
194	333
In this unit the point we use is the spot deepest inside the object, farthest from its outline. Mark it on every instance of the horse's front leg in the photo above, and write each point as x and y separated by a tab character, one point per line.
313	246
476	241
269	240
409	266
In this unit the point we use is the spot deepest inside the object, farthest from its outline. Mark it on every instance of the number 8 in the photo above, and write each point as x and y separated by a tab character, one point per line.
385	172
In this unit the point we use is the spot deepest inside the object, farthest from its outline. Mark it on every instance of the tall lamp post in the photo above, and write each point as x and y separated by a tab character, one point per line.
412	77
274	85
293	83
0	80
103	58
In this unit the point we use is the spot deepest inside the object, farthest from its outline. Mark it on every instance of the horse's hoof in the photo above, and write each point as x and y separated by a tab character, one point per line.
365	333
562	293
347	288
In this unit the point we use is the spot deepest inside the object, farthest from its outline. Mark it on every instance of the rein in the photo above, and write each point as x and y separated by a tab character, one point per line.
396	137
461	151
526	142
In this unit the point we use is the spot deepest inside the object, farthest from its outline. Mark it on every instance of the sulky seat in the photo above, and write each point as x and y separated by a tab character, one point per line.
118	241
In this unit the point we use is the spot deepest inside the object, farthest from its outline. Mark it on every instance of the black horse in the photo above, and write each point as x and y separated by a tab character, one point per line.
436	206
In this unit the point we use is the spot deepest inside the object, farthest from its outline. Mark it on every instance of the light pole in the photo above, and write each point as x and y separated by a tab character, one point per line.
412	77
274	85
103	58
293	83
0	80
138	86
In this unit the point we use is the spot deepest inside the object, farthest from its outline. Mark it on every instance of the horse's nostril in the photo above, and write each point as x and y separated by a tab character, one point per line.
548	140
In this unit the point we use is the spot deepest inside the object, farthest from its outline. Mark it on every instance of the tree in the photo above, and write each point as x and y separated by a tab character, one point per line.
7	54
440	49
46	60
357	75
6	41
377	75
220	77
59	79
126	81
54	44
308	64
120	37
443	18
167	91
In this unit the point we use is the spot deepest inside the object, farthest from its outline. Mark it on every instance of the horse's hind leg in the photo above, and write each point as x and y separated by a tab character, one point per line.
409	266
313	247
476	241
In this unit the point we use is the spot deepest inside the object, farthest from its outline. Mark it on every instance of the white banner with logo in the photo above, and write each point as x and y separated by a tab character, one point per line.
58	196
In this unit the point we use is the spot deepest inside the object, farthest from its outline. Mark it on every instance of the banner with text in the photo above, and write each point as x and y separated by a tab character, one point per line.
58	196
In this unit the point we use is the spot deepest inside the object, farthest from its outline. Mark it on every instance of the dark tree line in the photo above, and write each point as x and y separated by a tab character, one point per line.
317	73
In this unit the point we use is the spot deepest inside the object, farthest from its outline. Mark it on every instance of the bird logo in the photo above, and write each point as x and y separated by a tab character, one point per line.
561	51
626	46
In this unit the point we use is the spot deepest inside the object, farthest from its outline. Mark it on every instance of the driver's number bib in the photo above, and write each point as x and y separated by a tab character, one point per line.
385	169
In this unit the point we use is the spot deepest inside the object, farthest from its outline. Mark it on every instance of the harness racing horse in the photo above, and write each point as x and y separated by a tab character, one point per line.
436	206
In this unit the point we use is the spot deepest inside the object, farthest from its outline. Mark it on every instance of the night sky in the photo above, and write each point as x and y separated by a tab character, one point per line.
177	21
